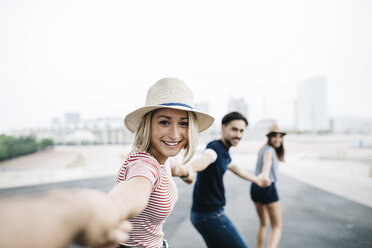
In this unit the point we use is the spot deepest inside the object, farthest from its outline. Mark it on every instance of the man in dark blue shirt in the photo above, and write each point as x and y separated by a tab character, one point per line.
207	213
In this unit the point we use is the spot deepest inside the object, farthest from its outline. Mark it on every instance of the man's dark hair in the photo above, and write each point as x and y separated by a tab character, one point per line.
232	116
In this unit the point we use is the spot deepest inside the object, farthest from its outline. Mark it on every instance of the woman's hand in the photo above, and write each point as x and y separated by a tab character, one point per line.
263	180
190	178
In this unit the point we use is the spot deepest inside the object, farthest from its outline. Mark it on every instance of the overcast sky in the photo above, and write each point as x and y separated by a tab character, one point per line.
100	57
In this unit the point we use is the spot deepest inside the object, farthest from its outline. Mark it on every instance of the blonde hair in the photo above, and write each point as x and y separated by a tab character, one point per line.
193	134
142	137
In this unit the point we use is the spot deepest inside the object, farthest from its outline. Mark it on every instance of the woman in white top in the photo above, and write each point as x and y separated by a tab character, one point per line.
166	124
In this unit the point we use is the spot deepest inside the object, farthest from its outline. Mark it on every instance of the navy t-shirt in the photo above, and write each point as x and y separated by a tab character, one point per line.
209	191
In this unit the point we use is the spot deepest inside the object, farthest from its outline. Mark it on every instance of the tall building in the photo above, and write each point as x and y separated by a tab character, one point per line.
56	123
311	107
239	105
72	119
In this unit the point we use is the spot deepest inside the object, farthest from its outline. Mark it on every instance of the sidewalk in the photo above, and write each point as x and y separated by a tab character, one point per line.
61	164
330	177
336	177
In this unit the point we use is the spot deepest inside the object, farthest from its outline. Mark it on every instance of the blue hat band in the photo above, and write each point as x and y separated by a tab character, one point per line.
176	104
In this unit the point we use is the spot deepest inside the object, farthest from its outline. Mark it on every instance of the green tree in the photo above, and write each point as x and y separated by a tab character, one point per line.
45	143
3	151
11	147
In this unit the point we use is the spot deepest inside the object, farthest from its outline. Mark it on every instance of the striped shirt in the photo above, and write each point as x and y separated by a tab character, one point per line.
148	225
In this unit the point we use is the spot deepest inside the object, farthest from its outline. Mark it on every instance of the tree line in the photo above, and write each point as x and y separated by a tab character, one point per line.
11	147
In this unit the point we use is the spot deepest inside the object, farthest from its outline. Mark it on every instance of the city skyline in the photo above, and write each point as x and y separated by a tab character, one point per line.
99	59
311	106
310	121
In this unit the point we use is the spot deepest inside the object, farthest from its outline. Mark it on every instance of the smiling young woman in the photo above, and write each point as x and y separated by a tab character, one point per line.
167	124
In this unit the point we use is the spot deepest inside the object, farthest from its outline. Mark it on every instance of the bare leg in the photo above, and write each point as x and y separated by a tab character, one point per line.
275	213
263	219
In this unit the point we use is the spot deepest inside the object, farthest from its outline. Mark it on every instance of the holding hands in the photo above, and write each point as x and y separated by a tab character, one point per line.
178	170
106	224
263	180
190	178
86	217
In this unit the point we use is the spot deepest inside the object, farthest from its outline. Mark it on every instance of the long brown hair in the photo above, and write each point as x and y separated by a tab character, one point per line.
280	150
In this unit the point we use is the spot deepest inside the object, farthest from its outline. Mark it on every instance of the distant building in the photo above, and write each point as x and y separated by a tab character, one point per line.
56	123
238	105
72	119
83	132
311	107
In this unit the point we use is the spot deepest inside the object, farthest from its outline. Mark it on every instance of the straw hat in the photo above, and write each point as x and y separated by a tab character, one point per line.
168	93
275	129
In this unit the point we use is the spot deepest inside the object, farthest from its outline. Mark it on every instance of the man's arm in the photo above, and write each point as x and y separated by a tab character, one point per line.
243	173
202	162
87	217
178	170
185	173
188	172
199	164
259	180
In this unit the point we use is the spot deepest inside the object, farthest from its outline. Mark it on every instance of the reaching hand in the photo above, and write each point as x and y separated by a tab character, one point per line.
191	178
263	181
107	221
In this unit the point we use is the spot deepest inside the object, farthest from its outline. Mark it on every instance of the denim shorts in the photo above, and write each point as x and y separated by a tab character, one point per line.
265	195
217	230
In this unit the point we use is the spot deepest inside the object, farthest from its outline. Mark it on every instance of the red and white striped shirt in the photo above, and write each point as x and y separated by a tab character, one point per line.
148	225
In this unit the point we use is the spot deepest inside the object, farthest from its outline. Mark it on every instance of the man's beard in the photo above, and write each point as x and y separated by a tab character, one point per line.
228	141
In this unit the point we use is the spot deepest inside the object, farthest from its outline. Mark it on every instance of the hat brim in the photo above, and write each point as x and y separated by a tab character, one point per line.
133	119
282	133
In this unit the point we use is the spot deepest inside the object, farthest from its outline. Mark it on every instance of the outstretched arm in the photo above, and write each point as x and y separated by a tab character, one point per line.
133	195
259	180
243	173
201	163
178	170
185	173
267	163
87	217
188	172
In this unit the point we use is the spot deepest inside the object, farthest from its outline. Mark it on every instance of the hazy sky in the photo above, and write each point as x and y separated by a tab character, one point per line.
100	57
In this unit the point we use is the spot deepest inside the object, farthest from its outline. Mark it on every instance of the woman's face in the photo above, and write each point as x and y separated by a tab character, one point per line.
169	133
276	140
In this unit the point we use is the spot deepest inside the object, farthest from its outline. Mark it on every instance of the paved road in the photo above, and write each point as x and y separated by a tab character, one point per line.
312	217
